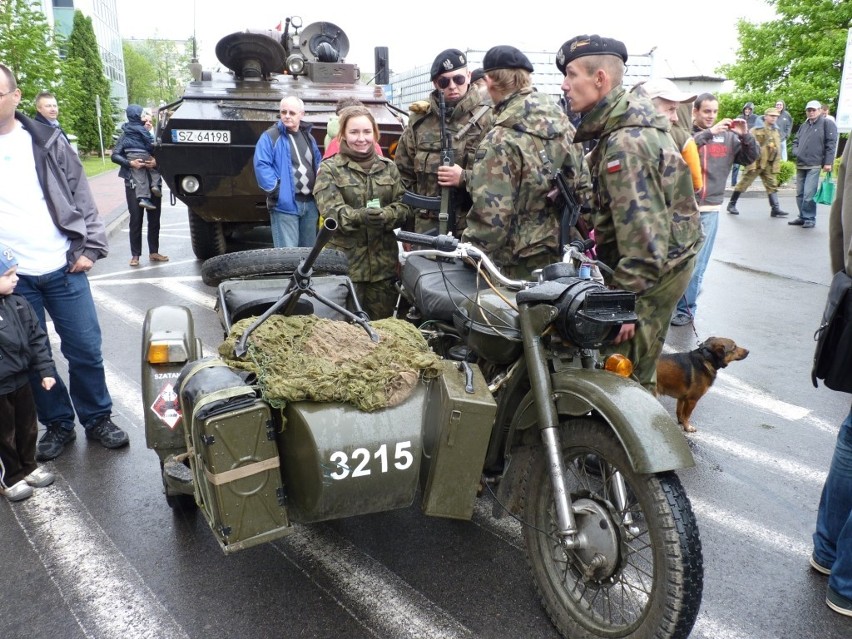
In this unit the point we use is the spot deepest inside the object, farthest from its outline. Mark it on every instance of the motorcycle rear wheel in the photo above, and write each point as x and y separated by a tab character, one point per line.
649	578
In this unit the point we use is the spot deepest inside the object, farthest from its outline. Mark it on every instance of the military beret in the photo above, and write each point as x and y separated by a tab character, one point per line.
477	74
582	45
448	60
772	111
505	57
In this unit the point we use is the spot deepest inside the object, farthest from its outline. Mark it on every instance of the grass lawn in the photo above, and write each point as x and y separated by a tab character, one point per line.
94	166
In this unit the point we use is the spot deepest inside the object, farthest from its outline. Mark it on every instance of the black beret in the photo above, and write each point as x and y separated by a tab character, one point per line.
477	74
579	46
505	57
448	60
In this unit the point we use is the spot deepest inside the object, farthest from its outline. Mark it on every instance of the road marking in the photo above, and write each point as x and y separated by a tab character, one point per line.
774	462
387	606
105	594
763	534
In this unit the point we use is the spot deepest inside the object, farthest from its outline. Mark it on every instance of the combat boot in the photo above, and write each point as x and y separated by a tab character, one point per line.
776	211
732	205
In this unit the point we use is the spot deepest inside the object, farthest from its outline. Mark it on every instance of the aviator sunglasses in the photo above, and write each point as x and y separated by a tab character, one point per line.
458	80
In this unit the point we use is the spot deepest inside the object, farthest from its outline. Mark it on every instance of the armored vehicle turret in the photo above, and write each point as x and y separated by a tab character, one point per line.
205	141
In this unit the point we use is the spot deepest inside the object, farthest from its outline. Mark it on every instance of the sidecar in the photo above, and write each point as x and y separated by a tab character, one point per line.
255	470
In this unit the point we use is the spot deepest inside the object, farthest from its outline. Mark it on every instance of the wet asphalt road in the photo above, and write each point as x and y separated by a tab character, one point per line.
100	554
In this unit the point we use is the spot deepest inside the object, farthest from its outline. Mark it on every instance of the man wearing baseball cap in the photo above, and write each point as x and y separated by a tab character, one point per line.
418	155
645	216
512	217
675	105
814	146
767	165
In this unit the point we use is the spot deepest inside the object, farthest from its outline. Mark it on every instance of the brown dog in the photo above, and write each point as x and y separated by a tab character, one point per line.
687	376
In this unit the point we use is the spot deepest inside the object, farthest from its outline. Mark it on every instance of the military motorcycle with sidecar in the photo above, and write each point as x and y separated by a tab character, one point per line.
524	410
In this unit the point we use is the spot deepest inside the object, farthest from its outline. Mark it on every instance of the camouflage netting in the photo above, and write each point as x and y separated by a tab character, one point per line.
307	358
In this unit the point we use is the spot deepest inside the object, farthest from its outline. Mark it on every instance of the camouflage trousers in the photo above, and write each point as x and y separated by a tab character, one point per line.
654	309
378	299
769	179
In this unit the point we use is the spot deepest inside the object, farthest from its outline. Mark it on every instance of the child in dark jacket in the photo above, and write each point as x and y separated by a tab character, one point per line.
137	143
23	348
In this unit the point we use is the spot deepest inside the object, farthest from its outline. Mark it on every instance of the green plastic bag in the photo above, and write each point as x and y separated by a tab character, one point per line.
825	192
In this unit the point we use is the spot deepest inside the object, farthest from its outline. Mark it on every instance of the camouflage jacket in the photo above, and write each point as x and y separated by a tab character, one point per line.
418	154
512	217
770	149
644	214
342	190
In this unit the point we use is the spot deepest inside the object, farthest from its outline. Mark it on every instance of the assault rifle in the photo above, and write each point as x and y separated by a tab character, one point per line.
570	207
447	212
445	205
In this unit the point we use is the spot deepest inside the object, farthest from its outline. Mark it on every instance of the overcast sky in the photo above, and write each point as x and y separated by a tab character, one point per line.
703	36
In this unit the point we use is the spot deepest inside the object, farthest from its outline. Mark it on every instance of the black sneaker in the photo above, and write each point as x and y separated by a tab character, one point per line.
53	441
156	191
145	203
108	434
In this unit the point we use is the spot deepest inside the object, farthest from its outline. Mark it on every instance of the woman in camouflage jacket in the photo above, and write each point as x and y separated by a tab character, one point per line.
362	192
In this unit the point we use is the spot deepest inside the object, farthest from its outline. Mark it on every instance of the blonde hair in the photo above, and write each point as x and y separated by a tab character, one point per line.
355	111
508	81
612	65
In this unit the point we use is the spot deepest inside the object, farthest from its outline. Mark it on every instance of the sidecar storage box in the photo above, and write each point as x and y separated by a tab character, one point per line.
438	287
235	462
339	461
456	430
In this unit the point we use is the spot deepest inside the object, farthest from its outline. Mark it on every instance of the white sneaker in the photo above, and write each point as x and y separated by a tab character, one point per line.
40	478
18	492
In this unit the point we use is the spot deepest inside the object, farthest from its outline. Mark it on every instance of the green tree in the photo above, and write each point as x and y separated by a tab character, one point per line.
28	48
796	57
140	76
84	60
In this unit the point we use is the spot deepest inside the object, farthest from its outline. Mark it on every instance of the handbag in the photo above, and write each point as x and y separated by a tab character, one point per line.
825	192
833	355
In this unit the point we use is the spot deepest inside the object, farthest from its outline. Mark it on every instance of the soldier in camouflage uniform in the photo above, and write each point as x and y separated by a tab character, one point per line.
645	217
418	155
362	192
767	166
512	217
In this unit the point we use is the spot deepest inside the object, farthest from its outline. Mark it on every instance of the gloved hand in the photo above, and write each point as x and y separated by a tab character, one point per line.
375	215
376	218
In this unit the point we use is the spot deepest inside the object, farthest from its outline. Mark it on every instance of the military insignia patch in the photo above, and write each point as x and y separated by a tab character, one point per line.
614	166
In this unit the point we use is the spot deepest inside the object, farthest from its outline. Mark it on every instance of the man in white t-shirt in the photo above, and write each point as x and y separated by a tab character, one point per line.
48	214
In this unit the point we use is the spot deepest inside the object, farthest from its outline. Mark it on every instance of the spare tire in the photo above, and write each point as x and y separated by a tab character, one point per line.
270	261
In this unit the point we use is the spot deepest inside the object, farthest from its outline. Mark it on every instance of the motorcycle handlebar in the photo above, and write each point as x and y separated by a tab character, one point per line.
439	242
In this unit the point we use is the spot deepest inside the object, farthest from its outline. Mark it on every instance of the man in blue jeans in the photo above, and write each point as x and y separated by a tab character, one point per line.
47	213
720	145
833	537
814	146
286	161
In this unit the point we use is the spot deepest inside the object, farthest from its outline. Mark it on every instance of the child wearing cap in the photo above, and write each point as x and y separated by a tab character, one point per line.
23	348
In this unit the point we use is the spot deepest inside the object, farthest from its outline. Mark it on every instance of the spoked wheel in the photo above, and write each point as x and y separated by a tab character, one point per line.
638	570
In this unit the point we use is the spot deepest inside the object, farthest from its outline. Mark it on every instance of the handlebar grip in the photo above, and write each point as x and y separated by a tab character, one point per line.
440	242
582	245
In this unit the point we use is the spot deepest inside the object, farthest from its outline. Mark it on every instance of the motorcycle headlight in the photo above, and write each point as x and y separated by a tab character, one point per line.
591	315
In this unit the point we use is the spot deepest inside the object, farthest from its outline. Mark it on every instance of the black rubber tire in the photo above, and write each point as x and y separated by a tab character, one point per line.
654	587
207	238
270	261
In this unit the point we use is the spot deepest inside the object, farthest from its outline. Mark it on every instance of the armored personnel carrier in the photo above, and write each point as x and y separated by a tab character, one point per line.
205	140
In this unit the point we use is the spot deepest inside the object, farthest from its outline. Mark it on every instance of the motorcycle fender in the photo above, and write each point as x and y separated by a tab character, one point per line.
164	424
652	439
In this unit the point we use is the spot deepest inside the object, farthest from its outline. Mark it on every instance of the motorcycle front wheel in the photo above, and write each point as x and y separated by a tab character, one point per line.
637	572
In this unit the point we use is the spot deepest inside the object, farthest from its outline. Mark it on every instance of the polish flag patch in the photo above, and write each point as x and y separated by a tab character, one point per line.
613	167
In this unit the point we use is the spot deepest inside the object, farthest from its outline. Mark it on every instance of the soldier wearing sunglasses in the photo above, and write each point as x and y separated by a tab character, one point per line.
418	156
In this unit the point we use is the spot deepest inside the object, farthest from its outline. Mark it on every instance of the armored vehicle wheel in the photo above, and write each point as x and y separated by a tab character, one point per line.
271	261
638	571
208	238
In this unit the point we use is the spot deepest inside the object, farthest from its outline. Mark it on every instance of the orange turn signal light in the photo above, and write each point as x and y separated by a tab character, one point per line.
619	364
